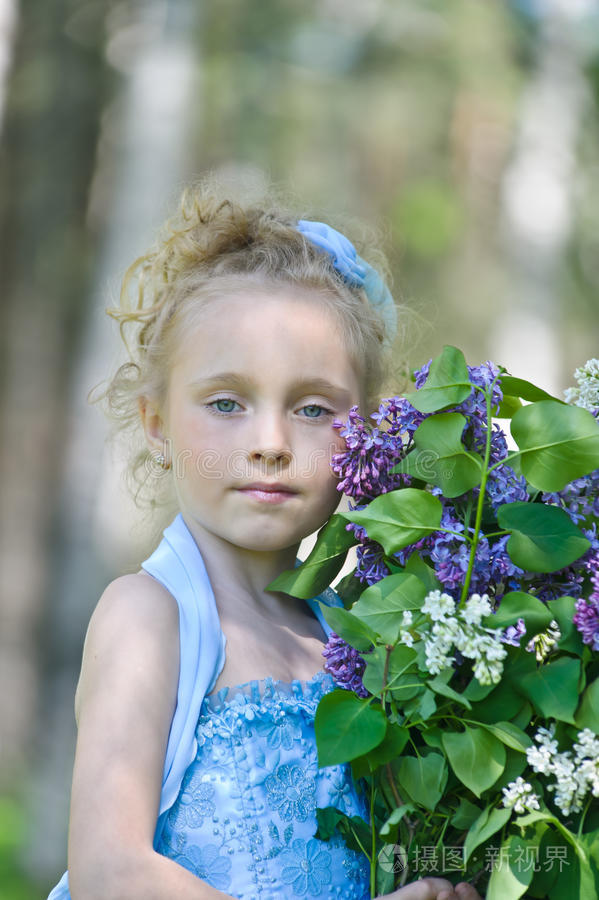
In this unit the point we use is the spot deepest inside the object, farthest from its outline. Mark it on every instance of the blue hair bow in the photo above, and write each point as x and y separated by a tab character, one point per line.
353	269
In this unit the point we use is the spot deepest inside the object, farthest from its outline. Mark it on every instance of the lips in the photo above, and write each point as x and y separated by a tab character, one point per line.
269	487
268	492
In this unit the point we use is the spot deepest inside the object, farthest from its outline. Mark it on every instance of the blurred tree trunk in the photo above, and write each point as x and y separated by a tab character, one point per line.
144	156
54	99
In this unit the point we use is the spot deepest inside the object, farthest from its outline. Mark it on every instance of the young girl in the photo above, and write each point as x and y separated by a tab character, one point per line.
196	773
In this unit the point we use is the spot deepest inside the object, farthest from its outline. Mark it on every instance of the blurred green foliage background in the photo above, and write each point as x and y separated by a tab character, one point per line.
464	134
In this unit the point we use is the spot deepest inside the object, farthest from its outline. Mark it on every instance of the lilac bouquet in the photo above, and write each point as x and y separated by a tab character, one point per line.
466	654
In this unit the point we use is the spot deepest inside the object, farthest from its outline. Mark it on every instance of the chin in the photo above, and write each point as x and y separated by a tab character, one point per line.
266	543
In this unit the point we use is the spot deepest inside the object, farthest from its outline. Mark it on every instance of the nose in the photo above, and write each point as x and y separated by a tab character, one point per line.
270	441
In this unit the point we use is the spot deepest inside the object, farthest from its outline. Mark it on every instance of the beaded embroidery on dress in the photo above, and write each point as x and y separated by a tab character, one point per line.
245	817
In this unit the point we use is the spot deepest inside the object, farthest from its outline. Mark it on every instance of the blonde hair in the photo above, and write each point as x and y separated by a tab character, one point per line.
213	245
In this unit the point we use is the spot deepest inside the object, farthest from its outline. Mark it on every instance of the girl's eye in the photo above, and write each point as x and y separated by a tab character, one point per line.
224	404
314	411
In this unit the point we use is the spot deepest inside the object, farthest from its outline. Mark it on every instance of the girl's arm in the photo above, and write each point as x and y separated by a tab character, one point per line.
125	702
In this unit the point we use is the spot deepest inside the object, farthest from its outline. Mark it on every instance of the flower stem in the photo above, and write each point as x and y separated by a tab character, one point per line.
481	498
373	845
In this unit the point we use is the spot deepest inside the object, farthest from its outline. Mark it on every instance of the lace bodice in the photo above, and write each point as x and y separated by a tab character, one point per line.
245	817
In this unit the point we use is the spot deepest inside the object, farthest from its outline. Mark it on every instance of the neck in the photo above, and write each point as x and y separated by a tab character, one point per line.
238	574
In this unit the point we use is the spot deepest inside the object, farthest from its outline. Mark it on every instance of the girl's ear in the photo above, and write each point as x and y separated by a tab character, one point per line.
153	424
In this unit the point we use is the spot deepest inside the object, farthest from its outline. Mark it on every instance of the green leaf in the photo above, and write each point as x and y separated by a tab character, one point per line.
423	778
553	688
331	822
440	456
543	539
508	407
387	830
399	518
510	875
544	878
324	562
587	714
382	604
515	764
488	823
415	565
587	881
427	705
390	748
353	630
474	690
433	737
509	734
439	686
562	609
519	605
349	589
448	383
557	443
388	863
476	757
400	659
465	815
518	387
346	726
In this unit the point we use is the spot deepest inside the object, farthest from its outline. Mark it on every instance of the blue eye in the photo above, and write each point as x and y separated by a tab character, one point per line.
314	411
224	404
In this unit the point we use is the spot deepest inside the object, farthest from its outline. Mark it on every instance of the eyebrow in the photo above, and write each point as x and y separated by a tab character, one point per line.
308	385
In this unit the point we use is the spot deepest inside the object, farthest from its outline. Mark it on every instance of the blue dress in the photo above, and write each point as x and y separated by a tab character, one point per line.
195	742
245	817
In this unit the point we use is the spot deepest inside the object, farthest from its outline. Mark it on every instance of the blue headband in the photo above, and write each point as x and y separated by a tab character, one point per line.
354	270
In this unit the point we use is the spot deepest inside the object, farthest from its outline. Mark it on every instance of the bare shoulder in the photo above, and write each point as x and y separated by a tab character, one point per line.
135	619
139	597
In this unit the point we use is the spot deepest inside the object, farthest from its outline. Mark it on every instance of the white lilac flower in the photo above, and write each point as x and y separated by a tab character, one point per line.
445	633
487	672
406	637
476	608
539	758
543	643
587	392
574	776
436	658
587	744
520	796
438	606
485	648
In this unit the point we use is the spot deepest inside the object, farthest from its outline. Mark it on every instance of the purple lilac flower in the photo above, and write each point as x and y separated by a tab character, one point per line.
345	664
513	634
364	467
586	617
482	376
371	566
450	555
421	374
400	417
569	580
580	498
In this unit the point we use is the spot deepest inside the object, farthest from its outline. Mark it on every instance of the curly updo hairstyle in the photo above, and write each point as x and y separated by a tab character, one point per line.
213	245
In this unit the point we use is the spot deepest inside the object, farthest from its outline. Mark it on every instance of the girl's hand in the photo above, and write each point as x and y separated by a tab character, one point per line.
435	889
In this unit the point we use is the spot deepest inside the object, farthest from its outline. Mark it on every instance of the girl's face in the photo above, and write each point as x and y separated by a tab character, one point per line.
252	396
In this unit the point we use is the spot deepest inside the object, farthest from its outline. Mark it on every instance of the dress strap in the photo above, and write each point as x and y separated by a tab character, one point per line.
177	564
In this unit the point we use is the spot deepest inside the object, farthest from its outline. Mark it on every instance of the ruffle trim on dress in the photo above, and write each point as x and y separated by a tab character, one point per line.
296	694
